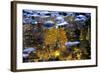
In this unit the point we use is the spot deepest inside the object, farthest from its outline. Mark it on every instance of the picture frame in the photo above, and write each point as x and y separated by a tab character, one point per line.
73	27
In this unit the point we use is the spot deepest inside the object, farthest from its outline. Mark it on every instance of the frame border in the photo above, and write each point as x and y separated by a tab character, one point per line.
14	37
